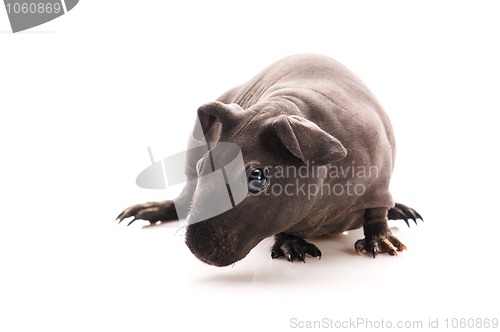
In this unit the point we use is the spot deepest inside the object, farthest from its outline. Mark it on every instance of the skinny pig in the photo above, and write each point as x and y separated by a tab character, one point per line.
318	152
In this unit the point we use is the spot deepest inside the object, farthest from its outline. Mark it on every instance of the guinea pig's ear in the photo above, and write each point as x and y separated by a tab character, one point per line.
211	116
305	140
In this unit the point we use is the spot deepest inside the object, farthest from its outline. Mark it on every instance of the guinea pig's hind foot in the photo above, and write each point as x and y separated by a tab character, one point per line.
293	248
401	211
151	211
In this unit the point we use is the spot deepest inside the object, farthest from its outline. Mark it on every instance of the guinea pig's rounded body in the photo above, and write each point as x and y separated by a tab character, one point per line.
332	197
318	152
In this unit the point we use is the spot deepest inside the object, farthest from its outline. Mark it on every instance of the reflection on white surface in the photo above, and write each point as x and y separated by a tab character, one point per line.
147	278
257	291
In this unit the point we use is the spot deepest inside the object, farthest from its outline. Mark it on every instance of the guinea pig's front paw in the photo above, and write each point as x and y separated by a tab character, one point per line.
375	245
293	248
151	211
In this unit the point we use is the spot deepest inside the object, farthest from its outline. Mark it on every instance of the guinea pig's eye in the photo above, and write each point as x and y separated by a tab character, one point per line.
258	180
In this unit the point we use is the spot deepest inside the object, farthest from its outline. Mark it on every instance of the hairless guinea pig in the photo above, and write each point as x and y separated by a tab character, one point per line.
301	150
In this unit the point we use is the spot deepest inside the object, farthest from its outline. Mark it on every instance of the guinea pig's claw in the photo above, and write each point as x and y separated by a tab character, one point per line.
293	248
131	221
359	246
391	249
401	211
388	244
374	252
151	211
301	258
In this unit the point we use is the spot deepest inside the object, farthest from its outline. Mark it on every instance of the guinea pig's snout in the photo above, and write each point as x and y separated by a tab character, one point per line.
211	244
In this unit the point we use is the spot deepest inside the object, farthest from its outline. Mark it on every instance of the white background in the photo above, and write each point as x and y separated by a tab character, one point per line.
83	96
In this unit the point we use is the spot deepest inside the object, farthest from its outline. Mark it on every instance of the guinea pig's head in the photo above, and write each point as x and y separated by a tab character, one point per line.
242	195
